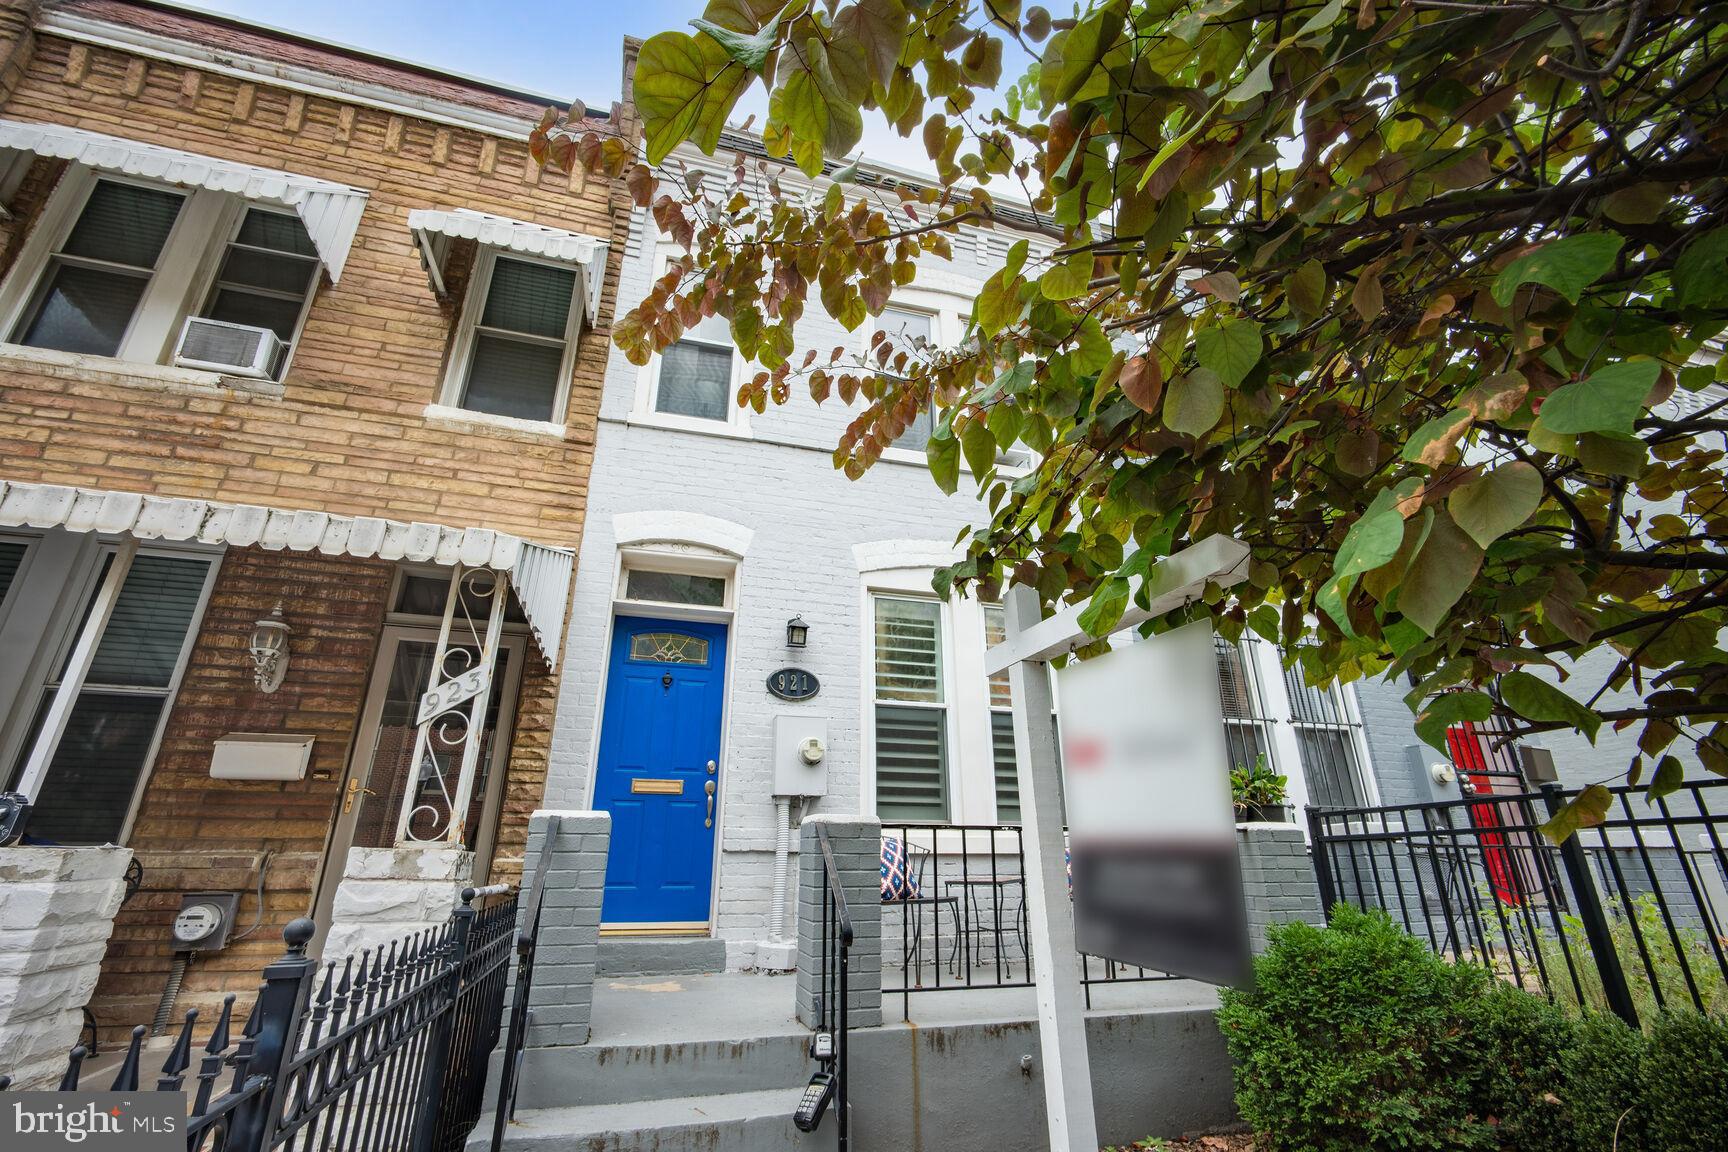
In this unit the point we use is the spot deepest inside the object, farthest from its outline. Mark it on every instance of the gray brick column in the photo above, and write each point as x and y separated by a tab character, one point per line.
1277	878
561	1003
856	842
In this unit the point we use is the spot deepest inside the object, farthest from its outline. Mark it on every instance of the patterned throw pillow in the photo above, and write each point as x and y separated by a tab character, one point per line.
898	883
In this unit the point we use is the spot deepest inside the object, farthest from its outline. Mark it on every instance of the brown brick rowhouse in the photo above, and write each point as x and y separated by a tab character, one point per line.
442	412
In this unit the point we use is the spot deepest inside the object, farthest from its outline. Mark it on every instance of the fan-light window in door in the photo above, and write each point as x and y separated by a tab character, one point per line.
669	648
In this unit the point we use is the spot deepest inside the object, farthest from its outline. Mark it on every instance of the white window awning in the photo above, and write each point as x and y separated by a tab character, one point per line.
331	212
434	228
539	574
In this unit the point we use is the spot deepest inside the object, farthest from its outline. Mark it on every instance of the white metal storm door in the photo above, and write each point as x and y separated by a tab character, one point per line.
450	714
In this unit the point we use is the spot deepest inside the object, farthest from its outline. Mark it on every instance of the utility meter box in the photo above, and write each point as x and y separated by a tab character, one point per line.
204	921
800	756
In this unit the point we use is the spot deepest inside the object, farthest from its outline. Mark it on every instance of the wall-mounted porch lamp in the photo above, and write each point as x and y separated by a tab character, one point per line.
269	650
797	632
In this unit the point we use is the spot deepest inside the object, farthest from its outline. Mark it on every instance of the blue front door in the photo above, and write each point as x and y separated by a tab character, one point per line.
658	768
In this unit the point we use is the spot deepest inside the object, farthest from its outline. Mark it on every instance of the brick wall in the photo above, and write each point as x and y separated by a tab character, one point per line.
349	434
193	833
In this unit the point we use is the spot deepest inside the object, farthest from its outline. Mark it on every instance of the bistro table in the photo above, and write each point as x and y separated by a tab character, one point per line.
974	895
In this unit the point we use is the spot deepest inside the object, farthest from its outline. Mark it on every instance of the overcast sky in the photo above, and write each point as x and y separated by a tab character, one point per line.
565	50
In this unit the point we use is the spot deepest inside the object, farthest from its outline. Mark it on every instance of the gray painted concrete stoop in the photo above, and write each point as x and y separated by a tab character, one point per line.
733	1122
660	956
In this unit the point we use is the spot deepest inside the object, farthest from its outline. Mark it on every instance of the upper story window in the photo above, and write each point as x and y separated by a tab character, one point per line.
211	265
693	384
695	377
96	278
909	331
266	279
518	339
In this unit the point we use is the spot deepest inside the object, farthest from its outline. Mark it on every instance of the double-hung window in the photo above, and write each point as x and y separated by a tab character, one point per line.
84	792
696	373
907	329
515	359
1003	765
266	278
911	715
96	278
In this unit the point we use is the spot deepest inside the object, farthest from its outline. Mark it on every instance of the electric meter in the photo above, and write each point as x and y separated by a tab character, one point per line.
204	921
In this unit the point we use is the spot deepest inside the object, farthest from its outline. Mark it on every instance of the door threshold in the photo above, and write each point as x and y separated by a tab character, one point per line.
608	931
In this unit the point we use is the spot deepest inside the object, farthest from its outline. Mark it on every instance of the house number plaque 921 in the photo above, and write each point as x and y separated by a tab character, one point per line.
793	684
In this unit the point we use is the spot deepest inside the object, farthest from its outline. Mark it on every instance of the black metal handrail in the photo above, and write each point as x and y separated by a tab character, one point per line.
510	1067
834	1011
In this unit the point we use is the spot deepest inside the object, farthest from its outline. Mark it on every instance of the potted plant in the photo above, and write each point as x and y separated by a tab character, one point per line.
1260	794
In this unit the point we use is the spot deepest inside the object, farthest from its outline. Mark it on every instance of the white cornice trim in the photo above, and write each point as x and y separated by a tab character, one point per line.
293	77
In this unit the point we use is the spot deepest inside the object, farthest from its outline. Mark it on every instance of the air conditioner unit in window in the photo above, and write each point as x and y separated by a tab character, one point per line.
233	349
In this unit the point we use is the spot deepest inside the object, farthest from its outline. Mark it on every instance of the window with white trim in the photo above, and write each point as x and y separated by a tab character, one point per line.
695	375
1003	763
912	332
95	769
266	278
514	351
911	714
94	282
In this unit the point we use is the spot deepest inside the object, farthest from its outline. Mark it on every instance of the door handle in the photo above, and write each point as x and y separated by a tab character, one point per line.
354	789
708	787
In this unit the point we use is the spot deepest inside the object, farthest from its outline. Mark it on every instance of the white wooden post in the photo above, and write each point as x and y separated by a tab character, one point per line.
1030	644
1055	961
77	667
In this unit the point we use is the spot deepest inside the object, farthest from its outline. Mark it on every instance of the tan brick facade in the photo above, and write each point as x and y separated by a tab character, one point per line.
348	434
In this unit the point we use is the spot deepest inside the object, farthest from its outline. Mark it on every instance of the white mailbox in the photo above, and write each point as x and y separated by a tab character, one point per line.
800	756
261	756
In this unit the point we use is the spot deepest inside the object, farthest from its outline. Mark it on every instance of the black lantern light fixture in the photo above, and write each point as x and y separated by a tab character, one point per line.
797	632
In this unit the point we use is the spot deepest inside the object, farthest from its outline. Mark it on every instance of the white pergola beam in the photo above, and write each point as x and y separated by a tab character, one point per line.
1172	582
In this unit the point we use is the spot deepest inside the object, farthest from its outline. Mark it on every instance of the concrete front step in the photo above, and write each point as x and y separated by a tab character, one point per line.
600	1074
660	956
731	1122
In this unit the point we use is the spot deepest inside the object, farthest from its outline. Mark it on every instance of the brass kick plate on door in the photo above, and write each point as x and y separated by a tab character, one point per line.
657	787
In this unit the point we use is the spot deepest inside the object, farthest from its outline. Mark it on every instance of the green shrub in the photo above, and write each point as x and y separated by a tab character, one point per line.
1684	1077
1601	1085
1356	1036
1517	1072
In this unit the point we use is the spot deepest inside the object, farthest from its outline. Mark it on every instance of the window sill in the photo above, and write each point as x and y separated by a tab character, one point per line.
466	421
694	424
108	370
1006	469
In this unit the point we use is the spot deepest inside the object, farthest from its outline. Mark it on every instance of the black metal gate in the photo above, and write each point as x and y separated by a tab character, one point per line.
386	1052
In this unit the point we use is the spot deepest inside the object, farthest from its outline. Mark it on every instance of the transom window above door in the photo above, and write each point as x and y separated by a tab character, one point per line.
690	582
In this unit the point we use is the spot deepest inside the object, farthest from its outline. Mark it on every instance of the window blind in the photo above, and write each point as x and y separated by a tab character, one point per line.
518	351
11	559
530	298
1007	773
147	629
124	224
511	378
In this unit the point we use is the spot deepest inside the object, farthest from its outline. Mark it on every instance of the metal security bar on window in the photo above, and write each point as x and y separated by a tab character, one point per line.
1245	713
911	722
1326	740
451	717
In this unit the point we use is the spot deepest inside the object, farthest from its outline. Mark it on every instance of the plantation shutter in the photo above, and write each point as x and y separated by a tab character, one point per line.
1007	777
911	721
11	559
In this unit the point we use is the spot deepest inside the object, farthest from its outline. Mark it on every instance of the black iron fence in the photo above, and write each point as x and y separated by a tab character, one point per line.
960	922
386	1053
1629	916
832	1004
